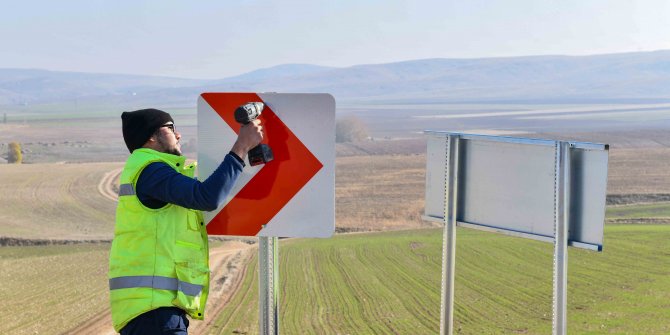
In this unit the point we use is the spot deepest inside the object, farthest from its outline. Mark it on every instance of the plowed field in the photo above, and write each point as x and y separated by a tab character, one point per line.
389	283
55	201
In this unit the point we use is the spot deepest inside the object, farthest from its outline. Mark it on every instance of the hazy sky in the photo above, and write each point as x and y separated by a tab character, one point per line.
220	38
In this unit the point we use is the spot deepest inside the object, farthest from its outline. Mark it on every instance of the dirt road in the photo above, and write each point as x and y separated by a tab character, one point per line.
228	263
108	184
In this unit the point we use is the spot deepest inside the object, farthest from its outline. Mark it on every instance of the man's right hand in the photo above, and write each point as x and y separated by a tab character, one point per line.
251	135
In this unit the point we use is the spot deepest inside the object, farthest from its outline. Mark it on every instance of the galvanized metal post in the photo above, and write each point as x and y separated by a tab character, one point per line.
562	201
449	241
267	283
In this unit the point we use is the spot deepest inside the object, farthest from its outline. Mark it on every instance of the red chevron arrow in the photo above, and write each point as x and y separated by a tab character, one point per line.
275	184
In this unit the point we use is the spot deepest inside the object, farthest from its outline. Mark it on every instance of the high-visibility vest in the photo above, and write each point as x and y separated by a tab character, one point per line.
159	257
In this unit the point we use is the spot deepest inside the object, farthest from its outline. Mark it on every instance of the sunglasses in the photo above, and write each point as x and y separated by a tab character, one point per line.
170	126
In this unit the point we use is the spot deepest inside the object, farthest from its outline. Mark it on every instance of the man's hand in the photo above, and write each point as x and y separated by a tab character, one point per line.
251	135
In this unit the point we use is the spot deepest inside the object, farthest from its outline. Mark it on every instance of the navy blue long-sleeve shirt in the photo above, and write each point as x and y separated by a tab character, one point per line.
159	184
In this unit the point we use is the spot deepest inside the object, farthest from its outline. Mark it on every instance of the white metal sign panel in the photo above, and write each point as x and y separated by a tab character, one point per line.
507	185
290	196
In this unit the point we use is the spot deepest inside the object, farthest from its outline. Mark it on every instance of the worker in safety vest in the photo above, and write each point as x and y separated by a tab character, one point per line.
159	261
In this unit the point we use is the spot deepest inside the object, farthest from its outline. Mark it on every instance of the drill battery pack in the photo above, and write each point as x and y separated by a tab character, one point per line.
260	155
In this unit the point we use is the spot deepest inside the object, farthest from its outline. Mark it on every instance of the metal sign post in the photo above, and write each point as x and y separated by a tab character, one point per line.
562	204
449	241
268	278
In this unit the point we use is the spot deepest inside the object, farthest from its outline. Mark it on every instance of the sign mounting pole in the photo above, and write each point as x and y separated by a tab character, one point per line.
268	278
449	239
561	238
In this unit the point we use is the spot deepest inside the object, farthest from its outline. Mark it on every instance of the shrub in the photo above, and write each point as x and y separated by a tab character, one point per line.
14	156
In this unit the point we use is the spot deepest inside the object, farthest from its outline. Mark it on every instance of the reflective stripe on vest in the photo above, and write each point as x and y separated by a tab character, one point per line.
126	189
157	282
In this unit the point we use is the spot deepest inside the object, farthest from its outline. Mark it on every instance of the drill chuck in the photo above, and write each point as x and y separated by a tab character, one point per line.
248	112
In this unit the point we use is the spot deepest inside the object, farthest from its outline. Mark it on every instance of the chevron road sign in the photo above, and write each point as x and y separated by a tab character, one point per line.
290	196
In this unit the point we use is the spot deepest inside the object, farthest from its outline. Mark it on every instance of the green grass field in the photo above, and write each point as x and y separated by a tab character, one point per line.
383	283
652	210
389	283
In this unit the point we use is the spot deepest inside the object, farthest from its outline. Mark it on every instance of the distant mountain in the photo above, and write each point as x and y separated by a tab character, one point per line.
20	86
558	78
279	71
639	76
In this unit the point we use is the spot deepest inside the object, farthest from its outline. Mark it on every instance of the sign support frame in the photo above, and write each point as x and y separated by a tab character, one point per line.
562	182
449	237
268	279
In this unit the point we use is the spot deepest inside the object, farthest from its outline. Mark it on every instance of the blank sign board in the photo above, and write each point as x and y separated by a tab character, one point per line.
508	185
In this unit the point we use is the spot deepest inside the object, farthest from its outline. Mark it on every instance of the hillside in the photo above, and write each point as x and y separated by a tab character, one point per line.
29	86
629	77
624	76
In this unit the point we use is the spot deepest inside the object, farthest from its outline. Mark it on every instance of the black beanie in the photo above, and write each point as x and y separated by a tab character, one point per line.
139	125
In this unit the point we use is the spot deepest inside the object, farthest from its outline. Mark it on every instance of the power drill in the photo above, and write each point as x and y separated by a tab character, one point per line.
244	114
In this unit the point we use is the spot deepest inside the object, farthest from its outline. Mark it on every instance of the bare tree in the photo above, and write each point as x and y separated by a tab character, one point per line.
350	129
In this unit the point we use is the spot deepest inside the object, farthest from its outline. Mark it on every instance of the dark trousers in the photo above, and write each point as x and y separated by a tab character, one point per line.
160	321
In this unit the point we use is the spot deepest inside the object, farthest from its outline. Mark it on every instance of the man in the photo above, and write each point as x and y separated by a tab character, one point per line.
159	260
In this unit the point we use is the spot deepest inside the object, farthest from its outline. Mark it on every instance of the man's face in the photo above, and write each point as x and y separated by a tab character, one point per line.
168	139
